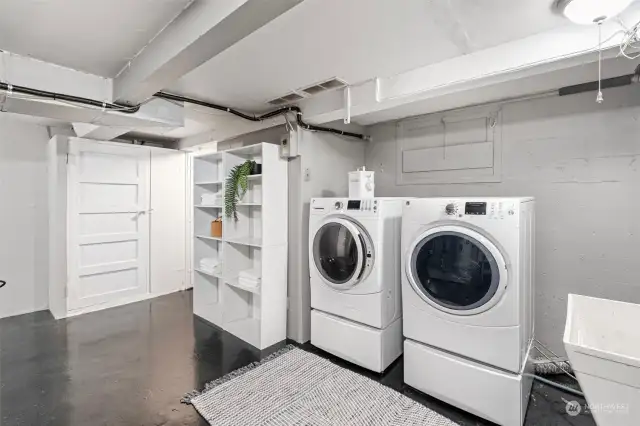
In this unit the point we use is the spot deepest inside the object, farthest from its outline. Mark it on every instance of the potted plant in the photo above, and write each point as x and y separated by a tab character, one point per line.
236	186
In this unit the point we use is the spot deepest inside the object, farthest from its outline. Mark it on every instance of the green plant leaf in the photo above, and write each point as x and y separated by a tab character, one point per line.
236	187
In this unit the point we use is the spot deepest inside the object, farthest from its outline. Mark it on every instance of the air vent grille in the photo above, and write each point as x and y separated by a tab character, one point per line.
308	92
277	102
333	84
314	90
292	97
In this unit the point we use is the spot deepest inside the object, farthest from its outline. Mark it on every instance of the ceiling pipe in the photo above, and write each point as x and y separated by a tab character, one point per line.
9	89
624	80
607	83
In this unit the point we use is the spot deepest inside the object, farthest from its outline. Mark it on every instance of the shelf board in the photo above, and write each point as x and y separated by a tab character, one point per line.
248	329
234	282
208	206
249	204
254	177
210	182
213	156
208	273
246	241
206	237
246	150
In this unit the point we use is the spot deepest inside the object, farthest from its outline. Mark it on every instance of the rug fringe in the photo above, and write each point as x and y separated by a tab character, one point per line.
189	396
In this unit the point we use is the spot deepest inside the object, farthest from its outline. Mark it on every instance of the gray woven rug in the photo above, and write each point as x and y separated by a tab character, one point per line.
296	387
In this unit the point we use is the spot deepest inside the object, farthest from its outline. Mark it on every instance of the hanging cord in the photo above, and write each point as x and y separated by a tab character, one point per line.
630	41
599	97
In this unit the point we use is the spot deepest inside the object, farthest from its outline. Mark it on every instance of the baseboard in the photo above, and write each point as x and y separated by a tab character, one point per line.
116	303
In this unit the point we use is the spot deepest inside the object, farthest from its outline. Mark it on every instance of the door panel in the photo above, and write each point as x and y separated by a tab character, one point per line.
336	253
457	270
108	222
340	253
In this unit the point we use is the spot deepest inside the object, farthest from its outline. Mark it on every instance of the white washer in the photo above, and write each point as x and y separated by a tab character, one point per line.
467	291
354	264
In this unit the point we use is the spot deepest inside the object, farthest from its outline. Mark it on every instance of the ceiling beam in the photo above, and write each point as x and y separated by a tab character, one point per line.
460	79
200	32
102	133
21	71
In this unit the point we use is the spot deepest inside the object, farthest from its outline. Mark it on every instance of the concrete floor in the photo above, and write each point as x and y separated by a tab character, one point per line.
130	366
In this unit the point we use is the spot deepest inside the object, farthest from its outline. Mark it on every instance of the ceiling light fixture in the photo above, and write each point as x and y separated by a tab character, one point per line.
586	12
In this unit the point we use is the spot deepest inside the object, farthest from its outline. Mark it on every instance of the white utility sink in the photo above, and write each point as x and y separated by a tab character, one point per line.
602	339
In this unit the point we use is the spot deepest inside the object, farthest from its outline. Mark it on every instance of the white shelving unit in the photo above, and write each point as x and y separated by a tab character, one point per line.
256	242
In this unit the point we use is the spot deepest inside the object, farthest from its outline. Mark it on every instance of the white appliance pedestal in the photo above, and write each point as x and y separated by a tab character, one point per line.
369	347
492	394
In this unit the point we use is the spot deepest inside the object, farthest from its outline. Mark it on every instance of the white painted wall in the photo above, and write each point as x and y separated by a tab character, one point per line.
23	216
582	163
328	159
168	243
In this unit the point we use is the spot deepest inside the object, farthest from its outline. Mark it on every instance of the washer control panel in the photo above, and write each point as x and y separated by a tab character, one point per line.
491	209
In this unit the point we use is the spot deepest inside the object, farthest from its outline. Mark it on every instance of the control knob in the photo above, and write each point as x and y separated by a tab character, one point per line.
450	209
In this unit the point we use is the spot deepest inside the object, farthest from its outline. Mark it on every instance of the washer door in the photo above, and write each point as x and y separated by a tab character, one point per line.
456	270
342	253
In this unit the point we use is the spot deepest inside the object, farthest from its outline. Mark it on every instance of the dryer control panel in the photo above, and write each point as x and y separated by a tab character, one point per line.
367	207
363	205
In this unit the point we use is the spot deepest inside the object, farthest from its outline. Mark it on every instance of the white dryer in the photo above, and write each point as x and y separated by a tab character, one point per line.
354	265
467	292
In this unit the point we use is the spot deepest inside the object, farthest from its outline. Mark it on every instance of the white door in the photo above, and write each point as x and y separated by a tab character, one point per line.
108	223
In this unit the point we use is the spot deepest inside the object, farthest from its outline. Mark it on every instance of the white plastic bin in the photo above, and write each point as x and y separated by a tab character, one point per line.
602	339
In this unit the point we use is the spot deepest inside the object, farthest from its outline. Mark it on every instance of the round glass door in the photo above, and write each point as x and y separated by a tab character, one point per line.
338	252
454	271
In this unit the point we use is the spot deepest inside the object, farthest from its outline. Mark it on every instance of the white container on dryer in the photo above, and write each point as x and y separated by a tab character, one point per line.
361	184
468	302
354	265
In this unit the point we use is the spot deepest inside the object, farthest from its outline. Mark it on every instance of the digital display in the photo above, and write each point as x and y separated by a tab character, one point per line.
353	205
475	208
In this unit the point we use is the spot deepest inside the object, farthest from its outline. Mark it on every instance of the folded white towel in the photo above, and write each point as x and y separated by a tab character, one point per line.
210	265
211	261
211	198
250	275
248	283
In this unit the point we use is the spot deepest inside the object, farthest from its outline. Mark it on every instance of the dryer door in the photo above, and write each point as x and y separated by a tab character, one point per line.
342	253
456	270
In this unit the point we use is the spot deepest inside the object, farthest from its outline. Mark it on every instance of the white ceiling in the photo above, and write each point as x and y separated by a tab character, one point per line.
95	36
357	40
